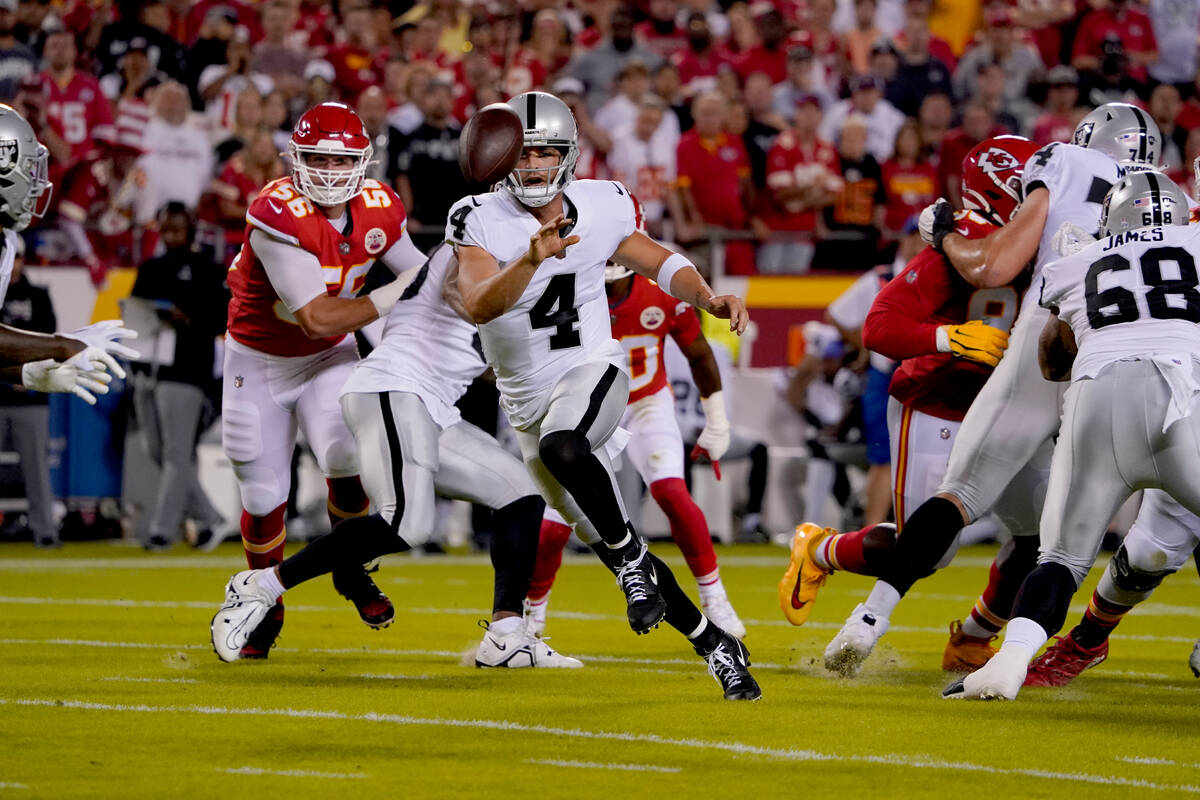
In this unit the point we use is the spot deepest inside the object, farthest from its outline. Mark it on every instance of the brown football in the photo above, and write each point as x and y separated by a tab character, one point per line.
491	144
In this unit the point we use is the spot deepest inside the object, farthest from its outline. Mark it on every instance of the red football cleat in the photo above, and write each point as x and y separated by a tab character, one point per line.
1063	661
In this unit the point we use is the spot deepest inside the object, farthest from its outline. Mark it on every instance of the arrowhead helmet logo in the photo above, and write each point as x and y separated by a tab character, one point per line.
995	159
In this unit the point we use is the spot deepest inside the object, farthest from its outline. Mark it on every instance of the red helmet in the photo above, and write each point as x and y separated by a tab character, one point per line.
330	129
991	176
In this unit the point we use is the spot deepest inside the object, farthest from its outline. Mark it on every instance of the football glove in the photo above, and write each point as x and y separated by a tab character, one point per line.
81	376
935	222
102	341
973	340
713	441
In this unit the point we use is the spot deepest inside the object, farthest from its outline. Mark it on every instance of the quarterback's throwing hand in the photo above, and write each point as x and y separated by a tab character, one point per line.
732	308
547	242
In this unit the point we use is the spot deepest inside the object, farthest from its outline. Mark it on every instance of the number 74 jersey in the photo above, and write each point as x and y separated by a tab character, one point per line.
561	319
1129	296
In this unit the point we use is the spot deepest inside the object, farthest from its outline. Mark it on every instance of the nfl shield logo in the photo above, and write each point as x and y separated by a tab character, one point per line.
344	248
8	155
238	381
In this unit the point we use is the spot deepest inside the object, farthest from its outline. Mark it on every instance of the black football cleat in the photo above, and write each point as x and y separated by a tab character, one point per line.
729	663
373	606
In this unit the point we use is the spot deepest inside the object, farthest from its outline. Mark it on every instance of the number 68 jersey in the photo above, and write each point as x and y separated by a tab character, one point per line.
561	319
1129	296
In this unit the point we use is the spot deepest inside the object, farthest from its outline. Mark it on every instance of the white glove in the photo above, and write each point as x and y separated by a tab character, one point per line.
101	340
80	376
936	220
714	439
1070	239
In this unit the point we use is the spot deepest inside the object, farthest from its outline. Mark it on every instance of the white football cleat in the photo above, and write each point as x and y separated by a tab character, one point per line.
999	679
246	605
720	611
1194	661
854	642
520	649
535	615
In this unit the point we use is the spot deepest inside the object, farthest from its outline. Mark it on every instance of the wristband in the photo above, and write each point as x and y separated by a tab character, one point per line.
674	263
714	410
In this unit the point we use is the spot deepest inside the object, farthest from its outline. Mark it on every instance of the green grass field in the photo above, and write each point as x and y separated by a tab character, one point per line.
110	689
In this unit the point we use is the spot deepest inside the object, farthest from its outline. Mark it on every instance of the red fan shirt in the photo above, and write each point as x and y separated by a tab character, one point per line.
76	110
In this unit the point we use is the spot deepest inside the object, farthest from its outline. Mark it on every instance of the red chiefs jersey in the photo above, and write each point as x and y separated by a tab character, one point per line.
641	322
76	110
904	319
257	317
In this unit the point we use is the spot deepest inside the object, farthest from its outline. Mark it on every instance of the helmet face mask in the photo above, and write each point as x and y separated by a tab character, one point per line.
548	123
1142	200
329	129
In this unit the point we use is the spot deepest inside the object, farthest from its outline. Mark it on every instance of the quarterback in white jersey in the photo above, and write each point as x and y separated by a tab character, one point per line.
1125	331
531	275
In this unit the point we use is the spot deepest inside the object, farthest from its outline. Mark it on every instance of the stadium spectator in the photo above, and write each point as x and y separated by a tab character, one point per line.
277	119
34	19
1165	106
669	89
910	181
239	13
1113	80
923	65
354	58
134	77
17	60
1000	43
222	85
247	118
801	180
800	83
170	389
278	56
991	94
934	118
25	415
1186	177
76	108
915	31
714	183
372	110
646	164
850	233
763	127
599	66
595	142
702	59
1061	112
819	38
318	85
408	116
866	100
179	161
977	125
545	54
1130	25
769	54
246	172
210	47
134	18
861	38
659	32
1175	25
633	82
428	179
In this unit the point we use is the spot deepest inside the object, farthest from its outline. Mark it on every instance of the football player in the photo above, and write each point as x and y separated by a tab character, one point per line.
642	316
312	237
949	336
80	362
412	440
1124	329
1012	421
531	272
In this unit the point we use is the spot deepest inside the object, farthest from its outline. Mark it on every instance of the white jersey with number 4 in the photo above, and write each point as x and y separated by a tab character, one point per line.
561	319
1130	296
1077	180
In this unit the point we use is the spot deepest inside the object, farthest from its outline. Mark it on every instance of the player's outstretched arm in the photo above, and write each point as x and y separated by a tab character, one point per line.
487	289
998	258
1056	349
679	278
19	347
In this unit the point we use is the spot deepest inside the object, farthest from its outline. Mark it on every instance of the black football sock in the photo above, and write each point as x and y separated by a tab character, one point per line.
351	544
758	479
926	537
1046	596
568	455
514	547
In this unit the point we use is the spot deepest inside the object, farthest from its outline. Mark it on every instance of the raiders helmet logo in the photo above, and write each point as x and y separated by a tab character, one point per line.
1083	134
996	160
8	155
375	241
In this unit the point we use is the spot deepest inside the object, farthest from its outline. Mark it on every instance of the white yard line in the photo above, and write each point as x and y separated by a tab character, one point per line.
127	679
551	762
912	761
1156	762
292	773
393	677
11	785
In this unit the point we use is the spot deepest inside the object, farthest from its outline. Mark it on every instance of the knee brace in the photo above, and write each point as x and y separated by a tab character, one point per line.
1131	579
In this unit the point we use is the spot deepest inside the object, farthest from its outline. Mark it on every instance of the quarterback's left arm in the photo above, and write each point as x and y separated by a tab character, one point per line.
1056	349
679	278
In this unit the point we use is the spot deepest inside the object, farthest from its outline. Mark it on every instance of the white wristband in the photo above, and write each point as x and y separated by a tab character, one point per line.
943	339
714	410
674	263
386	297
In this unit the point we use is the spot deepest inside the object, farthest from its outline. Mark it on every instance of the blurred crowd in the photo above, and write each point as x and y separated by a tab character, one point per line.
789	135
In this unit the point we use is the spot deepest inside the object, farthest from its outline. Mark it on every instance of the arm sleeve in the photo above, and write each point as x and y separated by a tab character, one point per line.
295	274
898	325
403	255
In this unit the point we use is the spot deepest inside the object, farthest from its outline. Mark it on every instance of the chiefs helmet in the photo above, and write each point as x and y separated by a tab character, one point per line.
330	129
991	176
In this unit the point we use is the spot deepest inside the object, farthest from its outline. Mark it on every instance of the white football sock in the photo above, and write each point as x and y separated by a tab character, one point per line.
503	627
1024	637
268	581
882	600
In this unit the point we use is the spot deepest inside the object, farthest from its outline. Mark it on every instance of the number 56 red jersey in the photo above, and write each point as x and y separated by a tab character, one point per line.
258	318
641	323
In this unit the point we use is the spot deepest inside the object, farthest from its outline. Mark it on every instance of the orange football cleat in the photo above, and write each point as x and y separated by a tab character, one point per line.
804	578
965	653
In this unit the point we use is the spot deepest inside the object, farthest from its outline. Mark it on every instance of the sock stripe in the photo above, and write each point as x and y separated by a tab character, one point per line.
829	546
901	468
987	614
341	514
1106	616
264	547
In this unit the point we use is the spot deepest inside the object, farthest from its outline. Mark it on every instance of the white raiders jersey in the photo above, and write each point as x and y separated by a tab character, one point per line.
1077	179
7	258
426	348
561	319
1130	296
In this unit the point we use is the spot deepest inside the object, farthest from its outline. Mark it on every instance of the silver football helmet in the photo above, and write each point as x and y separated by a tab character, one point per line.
24	166
1126	133
1141	200
548	123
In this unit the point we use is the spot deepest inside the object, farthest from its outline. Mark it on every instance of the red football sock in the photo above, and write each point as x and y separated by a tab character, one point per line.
689	528
346	499
263	538
992	611
552	538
